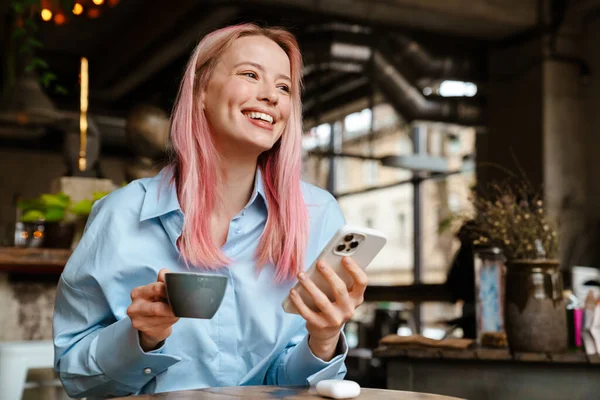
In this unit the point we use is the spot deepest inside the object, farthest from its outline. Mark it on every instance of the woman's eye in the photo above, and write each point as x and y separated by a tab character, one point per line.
250	75
285	88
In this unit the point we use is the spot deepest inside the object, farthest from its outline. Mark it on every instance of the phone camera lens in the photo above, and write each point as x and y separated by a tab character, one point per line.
349	237
354	244
340	247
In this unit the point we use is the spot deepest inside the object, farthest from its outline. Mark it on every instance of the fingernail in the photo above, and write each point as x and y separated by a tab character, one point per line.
293	292
301	275
320	265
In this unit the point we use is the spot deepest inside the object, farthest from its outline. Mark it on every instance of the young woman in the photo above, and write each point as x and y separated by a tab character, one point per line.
232	203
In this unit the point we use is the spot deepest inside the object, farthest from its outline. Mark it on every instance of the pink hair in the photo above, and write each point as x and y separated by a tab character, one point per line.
284	239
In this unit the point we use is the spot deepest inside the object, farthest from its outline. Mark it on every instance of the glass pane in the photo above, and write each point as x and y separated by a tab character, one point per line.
443	201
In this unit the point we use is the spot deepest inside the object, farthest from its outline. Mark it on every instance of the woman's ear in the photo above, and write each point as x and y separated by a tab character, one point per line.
202	97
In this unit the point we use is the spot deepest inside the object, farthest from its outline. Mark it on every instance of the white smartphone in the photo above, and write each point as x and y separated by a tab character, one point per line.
362	244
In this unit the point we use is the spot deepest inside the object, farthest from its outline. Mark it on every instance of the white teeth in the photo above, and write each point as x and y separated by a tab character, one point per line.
259	115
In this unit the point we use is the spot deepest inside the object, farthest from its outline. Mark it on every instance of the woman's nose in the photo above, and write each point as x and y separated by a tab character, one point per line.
269	94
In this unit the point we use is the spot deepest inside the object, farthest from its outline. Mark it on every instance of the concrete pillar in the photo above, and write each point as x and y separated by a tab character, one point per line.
564	132
588	244
514	138
537	128
592	97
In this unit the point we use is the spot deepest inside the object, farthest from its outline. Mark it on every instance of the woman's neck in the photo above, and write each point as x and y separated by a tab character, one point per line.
236	185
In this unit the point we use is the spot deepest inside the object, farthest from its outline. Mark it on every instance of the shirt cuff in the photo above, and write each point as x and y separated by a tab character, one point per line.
302	363
121	357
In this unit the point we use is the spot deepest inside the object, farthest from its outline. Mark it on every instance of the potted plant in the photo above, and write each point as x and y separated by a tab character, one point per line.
42	222
81	210
513	218
52	220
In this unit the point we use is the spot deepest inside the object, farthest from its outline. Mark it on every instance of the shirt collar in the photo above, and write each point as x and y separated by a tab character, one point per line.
259	188
161	194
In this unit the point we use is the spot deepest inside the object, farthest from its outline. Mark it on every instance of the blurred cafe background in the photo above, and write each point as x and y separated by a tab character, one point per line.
468	131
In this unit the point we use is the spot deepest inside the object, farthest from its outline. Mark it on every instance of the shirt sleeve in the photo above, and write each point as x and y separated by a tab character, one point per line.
297	365
97	354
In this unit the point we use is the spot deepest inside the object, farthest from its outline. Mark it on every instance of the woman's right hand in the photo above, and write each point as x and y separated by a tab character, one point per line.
150	313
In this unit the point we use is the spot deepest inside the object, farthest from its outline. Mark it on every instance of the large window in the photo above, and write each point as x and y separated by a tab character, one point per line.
381	197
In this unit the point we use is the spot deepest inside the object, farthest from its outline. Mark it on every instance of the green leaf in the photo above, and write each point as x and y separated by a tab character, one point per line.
30	204
25	49
47	78
98	195
61	90
18	33
36	63
55	214
33	216
29	23
39	63
59	200
18	7
34	42
82	208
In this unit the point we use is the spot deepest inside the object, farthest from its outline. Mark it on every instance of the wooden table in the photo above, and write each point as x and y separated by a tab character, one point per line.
282	392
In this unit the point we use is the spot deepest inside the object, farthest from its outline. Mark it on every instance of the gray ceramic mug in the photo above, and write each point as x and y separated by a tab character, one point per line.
195	295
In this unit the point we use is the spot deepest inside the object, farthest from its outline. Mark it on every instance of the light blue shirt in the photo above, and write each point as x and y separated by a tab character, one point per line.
131	235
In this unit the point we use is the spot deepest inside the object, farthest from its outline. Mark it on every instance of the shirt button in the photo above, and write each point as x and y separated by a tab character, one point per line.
238	231
147	371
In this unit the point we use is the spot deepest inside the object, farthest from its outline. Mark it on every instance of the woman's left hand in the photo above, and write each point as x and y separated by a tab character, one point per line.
325	325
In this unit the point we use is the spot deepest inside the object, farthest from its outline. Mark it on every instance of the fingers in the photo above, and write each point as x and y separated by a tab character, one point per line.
161	275
338	286
359	276
150	291
147	325
320	299
309	315
156	309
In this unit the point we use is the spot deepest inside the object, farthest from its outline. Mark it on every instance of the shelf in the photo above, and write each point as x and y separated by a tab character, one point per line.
33	261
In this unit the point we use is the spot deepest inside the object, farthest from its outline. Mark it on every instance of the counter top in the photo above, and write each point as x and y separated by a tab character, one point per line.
483	354
35	261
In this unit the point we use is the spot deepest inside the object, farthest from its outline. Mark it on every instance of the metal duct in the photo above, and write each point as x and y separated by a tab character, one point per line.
406	98
396	86
426	65
411	103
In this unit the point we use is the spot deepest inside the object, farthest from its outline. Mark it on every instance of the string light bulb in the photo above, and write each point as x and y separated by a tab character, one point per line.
59	19
98	2
46	14
77	9
93	13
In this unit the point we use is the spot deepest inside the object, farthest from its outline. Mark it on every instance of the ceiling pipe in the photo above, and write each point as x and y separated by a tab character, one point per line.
407	99
412	105
395	83
425	65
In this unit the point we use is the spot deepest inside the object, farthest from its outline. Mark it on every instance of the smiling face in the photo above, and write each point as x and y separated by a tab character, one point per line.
247	98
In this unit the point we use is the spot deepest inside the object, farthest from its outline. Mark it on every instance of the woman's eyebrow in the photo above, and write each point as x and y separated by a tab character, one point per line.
259	67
